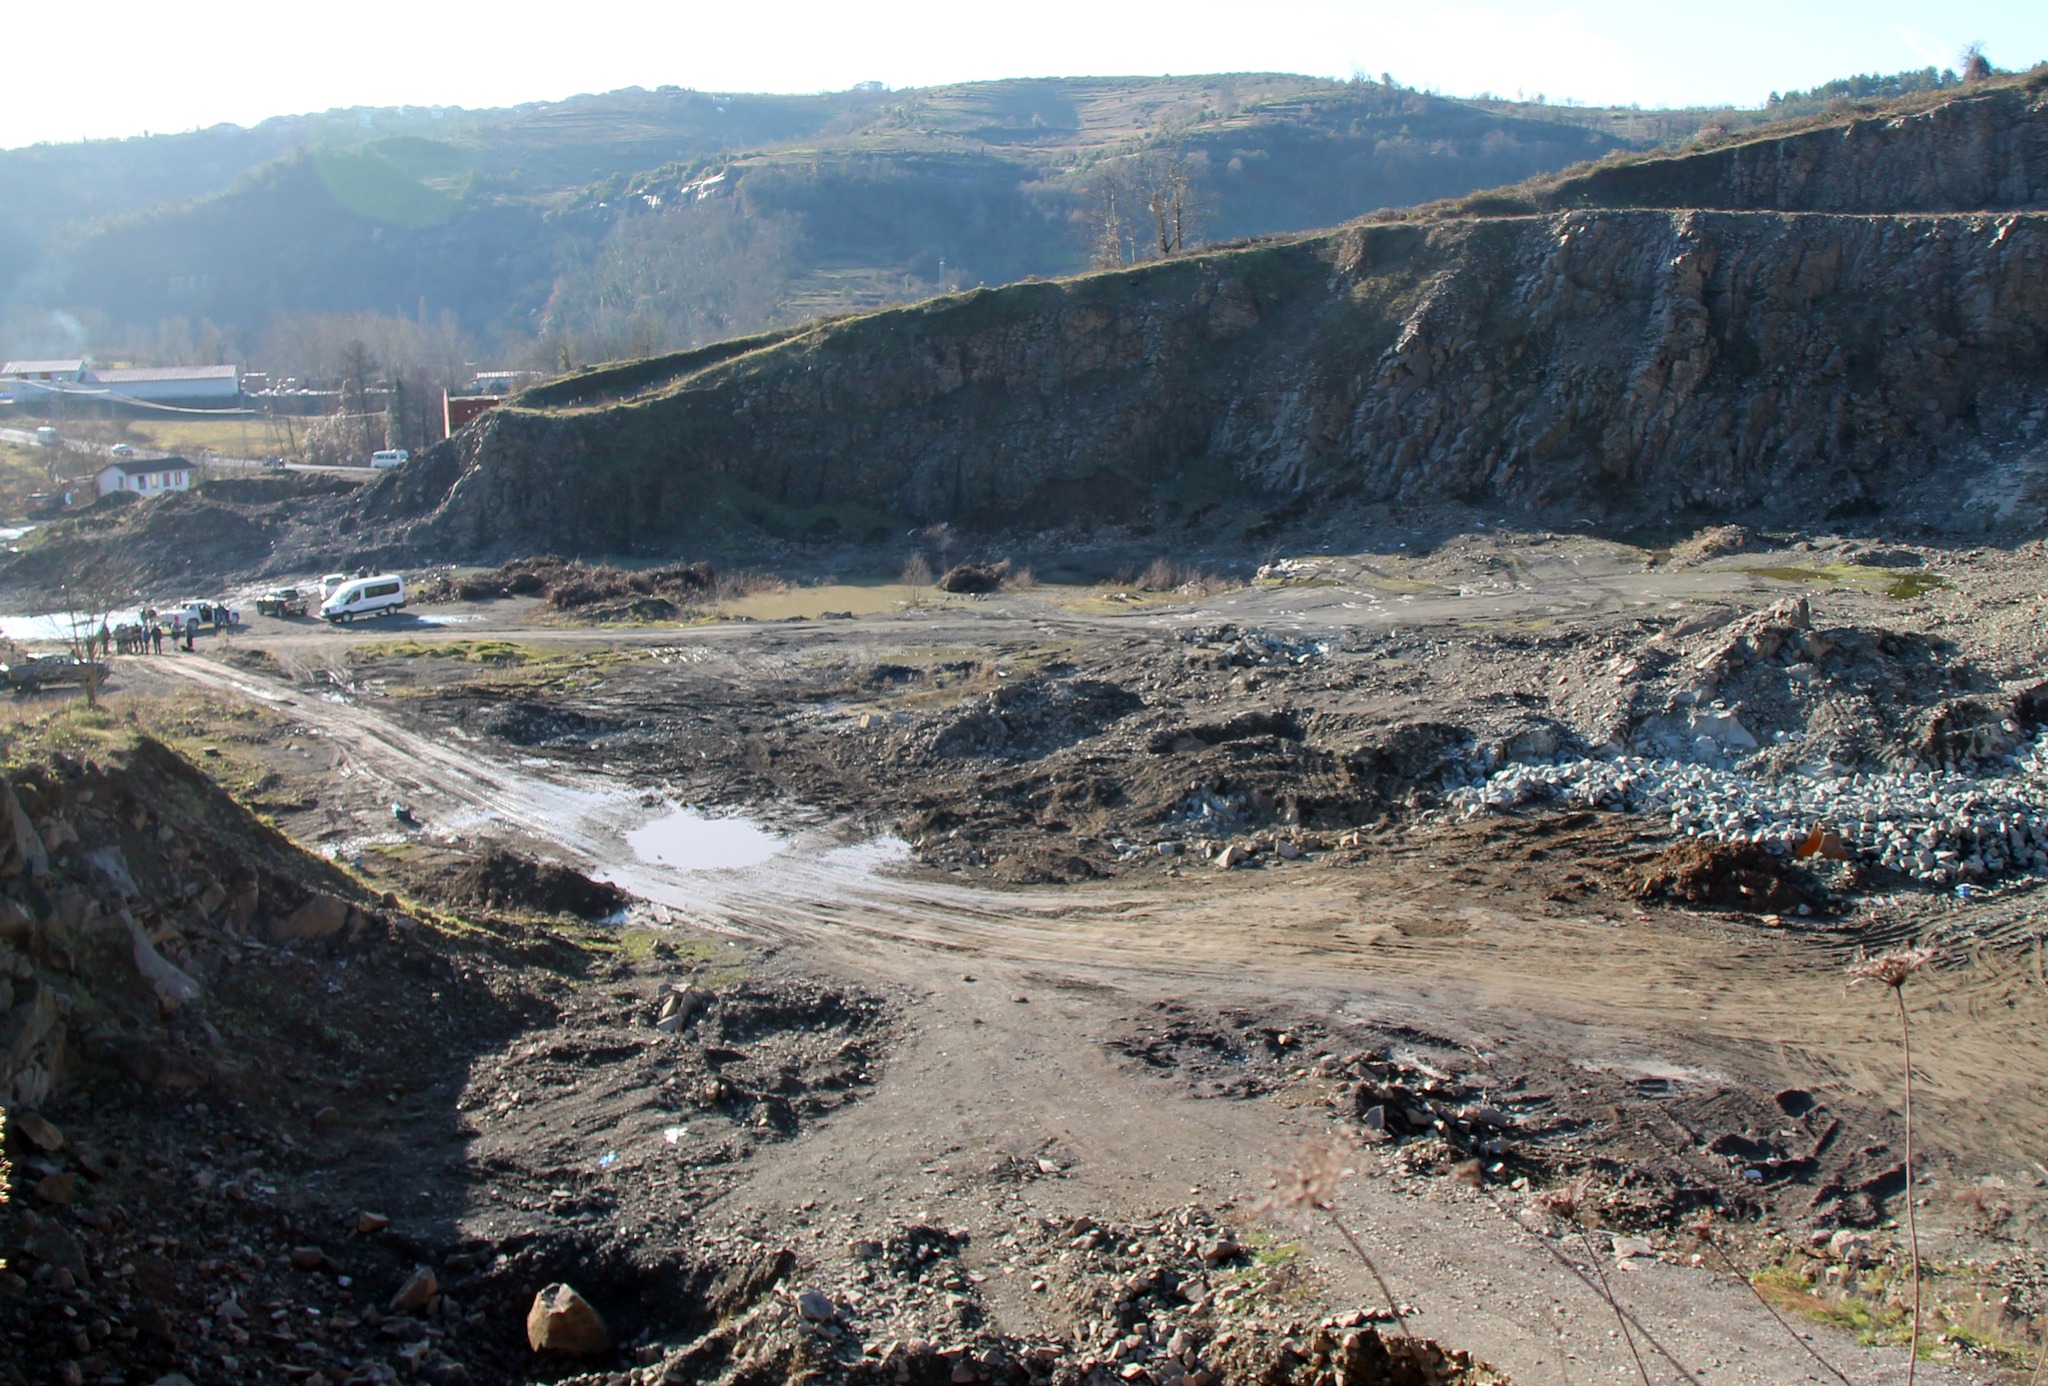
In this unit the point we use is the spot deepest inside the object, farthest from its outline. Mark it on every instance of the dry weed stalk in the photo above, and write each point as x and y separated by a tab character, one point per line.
1308	1185
1568	1203
1892	969
1703	1233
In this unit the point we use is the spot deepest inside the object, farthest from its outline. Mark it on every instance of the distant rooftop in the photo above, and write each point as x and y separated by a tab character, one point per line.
42	367
161	464
142	374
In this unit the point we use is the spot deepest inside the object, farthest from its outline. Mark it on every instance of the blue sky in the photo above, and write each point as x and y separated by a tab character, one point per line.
131	67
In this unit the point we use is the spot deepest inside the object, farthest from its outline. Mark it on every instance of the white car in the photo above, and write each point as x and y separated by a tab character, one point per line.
370	596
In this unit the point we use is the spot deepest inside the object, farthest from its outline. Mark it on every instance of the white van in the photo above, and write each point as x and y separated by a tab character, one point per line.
370	596
389	457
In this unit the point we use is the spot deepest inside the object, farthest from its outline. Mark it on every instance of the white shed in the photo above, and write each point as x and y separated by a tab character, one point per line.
146	478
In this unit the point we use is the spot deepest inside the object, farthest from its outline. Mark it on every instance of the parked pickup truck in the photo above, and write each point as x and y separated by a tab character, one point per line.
32	672
285	601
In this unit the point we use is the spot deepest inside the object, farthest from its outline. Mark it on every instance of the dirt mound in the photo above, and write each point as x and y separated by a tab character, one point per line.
1244	727
1966	732
1032	717
1715	541
975	577
1728	876
1355	1356
572	585
505	880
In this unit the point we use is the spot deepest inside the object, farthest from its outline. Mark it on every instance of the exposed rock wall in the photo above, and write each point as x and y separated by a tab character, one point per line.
1609	363
1976	153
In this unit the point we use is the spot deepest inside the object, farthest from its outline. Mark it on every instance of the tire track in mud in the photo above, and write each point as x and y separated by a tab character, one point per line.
1647	998
1768	1007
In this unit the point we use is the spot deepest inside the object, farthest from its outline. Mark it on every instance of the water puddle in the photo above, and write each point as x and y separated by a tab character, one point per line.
686	840
57	629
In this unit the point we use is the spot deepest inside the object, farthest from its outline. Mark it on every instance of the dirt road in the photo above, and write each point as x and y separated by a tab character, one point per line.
1015	997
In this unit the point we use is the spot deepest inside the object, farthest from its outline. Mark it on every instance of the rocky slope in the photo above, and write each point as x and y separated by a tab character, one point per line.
1607	364
1985	151
1843	357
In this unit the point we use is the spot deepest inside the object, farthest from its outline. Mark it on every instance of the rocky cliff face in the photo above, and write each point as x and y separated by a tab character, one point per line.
1987	151
1604	363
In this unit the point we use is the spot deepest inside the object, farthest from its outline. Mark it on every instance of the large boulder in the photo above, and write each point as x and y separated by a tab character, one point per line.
562	1321
322	915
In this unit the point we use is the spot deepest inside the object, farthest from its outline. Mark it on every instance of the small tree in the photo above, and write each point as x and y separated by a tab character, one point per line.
394	415
1171	196
357	366
91	591
1976	67
1107	198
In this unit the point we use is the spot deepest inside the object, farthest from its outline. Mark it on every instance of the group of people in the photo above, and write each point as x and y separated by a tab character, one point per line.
143	637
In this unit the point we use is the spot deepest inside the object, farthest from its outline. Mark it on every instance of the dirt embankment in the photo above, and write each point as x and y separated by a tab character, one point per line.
264	1125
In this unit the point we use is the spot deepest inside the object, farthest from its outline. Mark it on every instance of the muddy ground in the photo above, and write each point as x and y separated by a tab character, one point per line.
1092	905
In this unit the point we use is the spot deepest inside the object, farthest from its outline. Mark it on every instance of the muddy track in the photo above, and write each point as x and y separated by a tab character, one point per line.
1669	1000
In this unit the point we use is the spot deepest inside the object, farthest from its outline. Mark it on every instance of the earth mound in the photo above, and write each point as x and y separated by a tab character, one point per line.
572	585
1727	876
972	578
506	880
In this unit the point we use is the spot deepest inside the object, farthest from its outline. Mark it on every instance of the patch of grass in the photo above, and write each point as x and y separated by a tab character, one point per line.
1892	583
1856	1307
1790	574
499	653
23	472
1906	586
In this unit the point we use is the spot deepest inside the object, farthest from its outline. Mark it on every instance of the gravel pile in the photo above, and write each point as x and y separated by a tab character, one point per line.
1937	827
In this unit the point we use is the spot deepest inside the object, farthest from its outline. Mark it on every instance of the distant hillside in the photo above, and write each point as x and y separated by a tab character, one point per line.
638	221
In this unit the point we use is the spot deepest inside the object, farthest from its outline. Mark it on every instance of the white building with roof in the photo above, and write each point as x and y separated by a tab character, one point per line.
151	478
200	387
56	372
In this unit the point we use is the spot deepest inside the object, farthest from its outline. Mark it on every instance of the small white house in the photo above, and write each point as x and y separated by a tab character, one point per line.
146	478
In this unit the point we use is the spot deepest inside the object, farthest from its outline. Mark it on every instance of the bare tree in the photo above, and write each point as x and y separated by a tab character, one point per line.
1165	183
1976	67
91	591
357	366
1178	210
1108	195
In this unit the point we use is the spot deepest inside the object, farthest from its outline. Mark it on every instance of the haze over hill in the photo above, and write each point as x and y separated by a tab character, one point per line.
639	221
